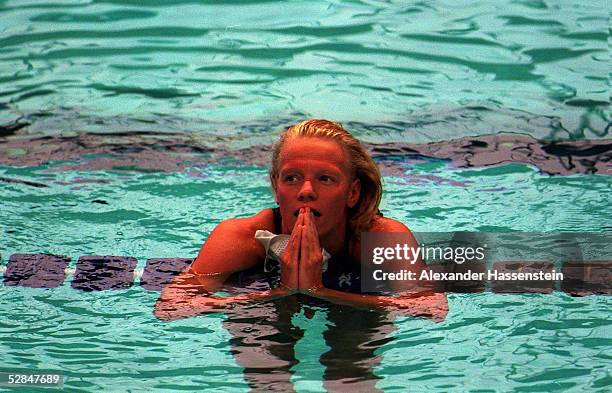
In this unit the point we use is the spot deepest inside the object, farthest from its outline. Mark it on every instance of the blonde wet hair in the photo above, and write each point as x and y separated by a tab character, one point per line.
361	165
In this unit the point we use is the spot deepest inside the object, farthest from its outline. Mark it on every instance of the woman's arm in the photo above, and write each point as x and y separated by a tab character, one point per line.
230	248
426	304
190	294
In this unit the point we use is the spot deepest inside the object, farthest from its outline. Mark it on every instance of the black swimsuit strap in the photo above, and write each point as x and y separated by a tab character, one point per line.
278	226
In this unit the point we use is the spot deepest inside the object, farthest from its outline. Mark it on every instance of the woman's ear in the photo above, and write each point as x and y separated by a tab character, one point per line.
273	184
354	193
275	196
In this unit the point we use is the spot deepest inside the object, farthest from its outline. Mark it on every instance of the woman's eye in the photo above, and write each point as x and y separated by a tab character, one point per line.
290	178
327	179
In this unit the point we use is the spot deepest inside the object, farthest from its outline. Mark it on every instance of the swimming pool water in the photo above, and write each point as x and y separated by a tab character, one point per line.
110	340
408	70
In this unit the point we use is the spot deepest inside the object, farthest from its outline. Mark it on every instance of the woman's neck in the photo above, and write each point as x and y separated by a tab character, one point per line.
336	242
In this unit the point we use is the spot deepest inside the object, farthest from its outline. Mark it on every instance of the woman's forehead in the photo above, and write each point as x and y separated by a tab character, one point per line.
314	149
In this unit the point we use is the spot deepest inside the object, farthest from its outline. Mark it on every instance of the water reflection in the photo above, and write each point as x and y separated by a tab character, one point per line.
264	338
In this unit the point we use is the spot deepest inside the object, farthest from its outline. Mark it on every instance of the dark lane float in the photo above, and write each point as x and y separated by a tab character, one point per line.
97	273
175	152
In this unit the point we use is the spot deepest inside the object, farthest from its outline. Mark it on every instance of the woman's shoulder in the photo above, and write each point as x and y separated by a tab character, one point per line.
263	220
386	224
379	224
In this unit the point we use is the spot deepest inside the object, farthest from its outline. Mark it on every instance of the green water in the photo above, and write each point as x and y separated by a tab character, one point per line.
110	340
169	215
409	70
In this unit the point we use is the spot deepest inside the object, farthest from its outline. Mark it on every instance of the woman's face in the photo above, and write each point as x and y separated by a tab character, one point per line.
315	173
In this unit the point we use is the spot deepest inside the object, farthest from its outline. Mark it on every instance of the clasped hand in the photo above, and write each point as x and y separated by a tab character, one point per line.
301	261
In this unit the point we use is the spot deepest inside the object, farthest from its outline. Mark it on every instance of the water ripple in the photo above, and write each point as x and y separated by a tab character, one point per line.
109	16
393	59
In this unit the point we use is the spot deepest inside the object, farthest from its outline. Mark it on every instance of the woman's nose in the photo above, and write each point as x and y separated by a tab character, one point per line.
307	192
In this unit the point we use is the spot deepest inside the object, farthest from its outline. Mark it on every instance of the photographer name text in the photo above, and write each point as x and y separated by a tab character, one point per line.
491	275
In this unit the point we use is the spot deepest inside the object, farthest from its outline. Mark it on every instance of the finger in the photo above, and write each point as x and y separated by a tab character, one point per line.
309	220
310	229
304	249
297	244
309	249
296	235
300	219
294	244
307	216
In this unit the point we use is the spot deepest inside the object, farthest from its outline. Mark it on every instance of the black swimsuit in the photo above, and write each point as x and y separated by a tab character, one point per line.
342	274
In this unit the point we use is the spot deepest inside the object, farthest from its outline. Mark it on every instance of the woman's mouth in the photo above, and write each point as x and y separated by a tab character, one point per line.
315	212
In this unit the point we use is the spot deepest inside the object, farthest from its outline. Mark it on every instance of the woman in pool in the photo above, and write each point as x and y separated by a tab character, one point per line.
328	190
